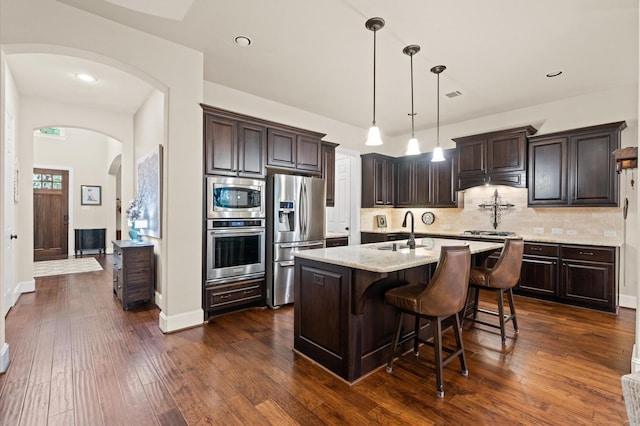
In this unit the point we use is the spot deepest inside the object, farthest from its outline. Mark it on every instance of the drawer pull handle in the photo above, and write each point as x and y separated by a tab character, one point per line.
248	292
536	248
587	253
224	296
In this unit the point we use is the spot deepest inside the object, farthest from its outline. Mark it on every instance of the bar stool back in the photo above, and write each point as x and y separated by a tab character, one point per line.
439	299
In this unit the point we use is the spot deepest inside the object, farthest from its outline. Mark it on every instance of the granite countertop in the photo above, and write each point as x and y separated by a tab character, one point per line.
370	257
535	238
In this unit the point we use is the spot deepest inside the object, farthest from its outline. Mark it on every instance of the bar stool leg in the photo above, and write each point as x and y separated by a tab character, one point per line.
394	343
512	307
460	346
501	316
416	339
476	301
437	349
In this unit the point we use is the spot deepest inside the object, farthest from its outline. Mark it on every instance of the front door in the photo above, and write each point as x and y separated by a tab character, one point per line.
50	214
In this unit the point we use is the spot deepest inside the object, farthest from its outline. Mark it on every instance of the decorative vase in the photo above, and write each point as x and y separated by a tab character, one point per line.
133	234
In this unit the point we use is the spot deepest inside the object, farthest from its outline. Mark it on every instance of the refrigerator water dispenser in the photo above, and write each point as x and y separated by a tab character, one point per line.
286	216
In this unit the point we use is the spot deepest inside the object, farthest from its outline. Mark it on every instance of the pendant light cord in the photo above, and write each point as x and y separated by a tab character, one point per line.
438	114
412	113
374	77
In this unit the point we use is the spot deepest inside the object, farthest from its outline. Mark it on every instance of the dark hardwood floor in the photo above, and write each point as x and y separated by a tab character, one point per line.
78	359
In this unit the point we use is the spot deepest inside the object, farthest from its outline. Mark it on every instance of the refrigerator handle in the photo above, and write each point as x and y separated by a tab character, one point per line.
306	209
300	208
303	210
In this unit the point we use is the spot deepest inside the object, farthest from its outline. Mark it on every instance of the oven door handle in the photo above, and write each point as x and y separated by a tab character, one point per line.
237	231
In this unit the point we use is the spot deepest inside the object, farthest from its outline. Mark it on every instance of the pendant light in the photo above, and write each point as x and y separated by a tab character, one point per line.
412	147
437	153
374	24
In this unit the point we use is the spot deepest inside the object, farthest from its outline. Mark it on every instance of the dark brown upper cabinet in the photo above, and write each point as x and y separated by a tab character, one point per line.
240	145
329	171
378	177
495	158
443	180
421	183
294	150
410	181
575	167
232	146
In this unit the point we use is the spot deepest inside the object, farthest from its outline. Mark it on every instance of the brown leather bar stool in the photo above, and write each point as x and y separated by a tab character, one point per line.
441	298
501	279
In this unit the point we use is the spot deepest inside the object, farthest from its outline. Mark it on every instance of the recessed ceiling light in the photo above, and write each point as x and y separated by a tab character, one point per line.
242	41
87	78
554	74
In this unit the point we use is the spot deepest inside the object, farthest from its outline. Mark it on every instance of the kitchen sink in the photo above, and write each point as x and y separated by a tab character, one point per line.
398	247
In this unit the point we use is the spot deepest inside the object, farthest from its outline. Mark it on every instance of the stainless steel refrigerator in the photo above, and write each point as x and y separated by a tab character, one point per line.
295	221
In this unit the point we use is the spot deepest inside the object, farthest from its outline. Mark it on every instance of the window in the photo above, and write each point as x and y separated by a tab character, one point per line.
47	181
54	132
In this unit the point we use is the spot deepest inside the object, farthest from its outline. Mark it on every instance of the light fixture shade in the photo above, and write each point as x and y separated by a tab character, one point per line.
412	147
374	137
437	155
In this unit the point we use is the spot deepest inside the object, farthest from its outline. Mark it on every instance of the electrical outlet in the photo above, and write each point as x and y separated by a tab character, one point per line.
609	233
538	230
572	232
556	231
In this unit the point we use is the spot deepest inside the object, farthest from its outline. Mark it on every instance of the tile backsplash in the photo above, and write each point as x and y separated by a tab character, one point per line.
582	225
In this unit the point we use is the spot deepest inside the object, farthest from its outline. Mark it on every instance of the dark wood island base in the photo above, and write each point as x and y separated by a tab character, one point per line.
341	320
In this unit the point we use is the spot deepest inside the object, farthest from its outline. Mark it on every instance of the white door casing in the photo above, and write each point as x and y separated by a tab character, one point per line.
10	195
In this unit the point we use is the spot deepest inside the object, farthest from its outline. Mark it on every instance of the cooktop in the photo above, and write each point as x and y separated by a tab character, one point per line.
490	233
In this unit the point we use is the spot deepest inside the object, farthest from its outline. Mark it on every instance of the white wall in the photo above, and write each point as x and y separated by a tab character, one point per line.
174	70
346	135
37	113
86	155
149	125
9	291
588	110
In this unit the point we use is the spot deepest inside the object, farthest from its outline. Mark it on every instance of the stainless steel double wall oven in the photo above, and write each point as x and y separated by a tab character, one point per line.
235	241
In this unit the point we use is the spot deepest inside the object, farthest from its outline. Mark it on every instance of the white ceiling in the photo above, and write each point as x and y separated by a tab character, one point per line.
318	55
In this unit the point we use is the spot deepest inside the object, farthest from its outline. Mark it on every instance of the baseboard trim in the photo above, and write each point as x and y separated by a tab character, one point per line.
625	301
157	297
635	361
4	358
171	323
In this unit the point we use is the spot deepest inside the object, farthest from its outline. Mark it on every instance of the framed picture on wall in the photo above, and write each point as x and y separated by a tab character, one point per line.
149	189
91	195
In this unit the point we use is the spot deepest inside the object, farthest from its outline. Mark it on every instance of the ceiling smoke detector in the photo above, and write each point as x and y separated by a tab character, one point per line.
453	94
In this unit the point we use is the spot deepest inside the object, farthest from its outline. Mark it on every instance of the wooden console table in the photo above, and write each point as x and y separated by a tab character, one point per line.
90	239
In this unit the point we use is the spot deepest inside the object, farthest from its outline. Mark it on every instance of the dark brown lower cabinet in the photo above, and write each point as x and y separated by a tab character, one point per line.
221	298
539	274
380	237
133	272
588	276
573	274
336	242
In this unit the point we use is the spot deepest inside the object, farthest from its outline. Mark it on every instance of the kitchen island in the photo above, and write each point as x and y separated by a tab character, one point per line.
341	320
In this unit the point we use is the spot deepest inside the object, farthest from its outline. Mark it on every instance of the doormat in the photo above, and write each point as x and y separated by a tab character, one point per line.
65	266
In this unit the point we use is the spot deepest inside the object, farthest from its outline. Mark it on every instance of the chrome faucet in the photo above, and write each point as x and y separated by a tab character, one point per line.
411	242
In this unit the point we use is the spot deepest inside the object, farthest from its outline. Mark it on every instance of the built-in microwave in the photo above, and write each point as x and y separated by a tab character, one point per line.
232	198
